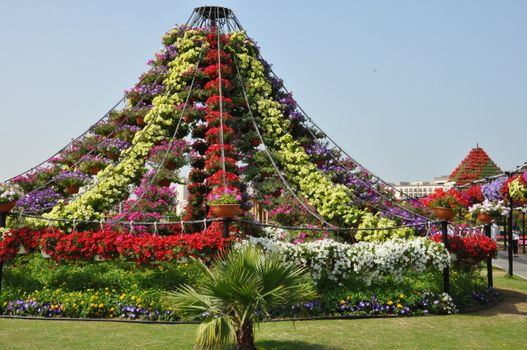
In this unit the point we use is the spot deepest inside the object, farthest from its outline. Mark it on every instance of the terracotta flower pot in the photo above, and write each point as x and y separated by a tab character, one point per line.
164	183
320	162
170	165
225	210
112	156
72	189
140	121
485	218
443	213
187	118
6	207
94	170
255	142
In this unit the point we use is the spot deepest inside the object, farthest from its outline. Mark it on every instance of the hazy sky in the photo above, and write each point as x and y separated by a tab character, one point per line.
406	87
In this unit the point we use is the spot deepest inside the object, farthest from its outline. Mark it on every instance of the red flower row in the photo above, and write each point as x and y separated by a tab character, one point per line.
109	244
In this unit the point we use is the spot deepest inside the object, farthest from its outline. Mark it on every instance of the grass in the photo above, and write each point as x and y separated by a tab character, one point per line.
495	328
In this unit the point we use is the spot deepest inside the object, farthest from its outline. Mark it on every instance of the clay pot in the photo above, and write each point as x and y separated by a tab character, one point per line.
140	121
164	183
72	189
94	170
170	165
485	218
6	207
225	210
443	213
255	142
112	156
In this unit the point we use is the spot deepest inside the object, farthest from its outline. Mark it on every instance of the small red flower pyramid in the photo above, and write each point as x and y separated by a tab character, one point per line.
476	165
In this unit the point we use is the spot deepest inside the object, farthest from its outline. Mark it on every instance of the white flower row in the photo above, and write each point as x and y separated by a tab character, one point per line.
369	260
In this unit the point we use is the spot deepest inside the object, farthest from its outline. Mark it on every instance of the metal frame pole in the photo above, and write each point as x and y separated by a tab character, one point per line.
3	220
523	230
446	270
226	223
490	282
510	272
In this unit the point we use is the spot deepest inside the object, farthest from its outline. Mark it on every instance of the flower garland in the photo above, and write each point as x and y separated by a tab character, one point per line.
114	180
331	201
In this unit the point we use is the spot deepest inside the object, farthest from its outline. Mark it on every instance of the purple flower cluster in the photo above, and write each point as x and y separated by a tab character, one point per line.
31	308
114	145
133	312
71	177
491	191
39	200
152	89
373	307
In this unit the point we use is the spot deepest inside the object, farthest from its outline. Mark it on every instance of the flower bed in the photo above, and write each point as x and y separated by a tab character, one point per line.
135	304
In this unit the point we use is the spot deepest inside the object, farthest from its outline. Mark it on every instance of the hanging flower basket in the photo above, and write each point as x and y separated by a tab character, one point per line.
94	170
112	156
6	207
140	121
485	218
164	183
443	213
188	118
225	210
170	165
21	250
72	189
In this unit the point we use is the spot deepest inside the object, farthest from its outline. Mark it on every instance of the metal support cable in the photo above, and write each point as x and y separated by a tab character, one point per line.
77	138
268	153
354	161
163	221
224	178
174	135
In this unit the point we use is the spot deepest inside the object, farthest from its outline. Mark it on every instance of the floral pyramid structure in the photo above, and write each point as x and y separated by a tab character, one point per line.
212	105
475	166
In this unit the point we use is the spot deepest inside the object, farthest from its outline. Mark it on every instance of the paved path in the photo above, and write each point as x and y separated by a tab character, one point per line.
519	263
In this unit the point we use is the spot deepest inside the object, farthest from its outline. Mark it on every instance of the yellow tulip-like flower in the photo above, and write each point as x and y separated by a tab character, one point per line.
390	302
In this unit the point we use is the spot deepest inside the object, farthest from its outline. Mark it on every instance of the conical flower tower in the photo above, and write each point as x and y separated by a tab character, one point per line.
210	105
475	166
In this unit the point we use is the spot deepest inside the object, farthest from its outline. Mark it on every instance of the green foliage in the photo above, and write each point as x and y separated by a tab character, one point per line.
31	272
244	283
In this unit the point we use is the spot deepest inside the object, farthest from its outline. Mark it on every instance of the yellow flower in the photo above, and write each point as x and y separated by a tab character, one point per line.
133	297
401	296
342	302
112	309
399	306
390	302
101	306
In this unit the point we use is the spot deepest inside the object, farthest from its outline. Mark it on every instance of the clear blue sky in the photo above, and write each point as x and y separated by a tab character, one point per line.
406	87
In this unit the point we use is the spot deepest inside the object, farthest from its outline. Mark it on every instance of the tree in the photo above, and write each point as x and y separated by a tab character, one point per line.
241	285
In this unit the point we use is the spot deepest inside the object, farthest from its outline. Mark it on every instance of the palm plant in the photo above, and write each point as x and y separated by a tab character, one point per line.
236	291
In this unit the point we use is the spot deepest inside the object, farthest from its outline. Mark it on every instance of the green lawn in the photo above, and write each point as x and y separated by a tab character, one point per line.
499	327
